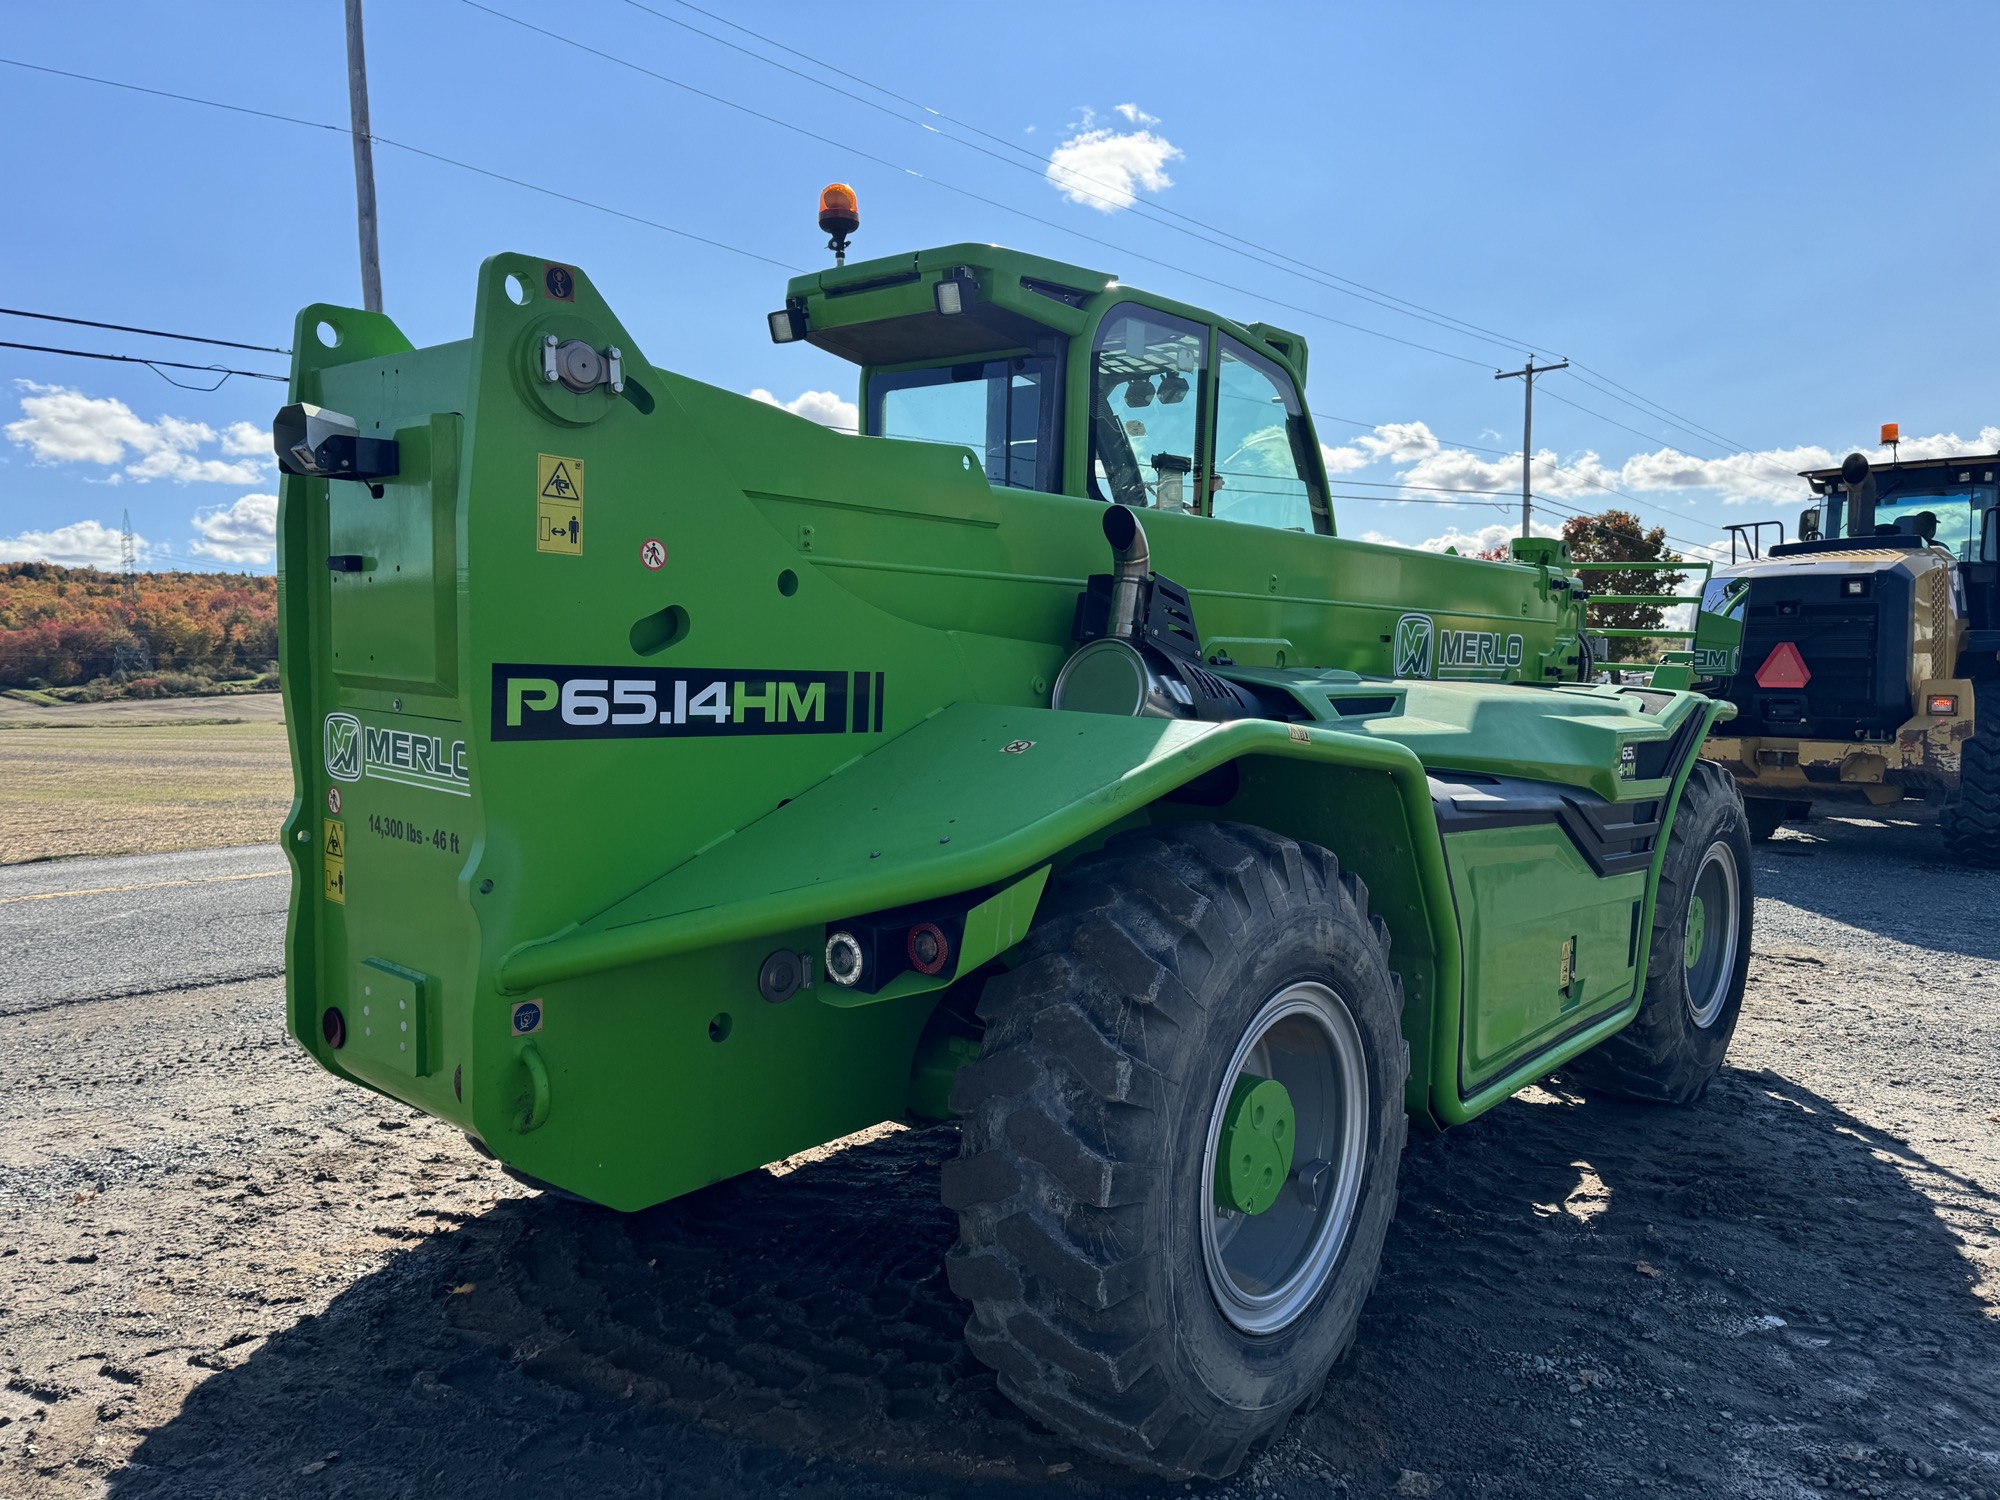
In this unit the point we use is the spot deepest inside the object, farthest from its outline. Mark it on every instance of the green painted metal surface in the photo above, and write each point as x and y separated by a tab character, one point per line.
632	690
1253	1155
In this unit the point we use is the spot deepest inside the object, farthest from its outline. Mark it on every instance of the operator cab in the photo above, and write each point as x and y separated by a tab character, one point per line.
1060	379
1942	502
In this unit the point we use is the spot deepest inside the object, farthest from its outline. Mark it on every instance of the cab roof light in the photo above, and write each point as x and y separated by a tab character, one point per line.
839	216
1892	434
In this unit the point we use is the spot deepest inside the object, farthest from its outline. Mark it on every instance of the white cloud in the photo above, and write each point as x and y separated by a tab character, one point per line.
82	544
246	532
245	439
1107	169
823	407
59	425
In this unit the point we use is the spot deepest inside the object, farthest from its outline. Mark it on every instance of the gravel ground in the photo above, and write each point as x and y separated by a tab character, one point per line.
222	1274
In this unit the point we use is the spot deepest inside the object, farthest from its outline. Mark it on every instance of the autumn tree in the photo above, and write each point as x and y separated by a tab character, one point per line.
1619	536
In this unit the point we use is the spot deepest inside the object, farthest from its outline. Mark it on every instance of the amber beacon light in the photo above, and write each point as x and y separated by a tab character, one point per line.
839	216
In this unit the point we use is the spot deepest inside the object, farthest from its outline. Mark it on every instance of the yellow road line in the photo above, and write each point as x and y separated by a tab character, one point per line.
150	885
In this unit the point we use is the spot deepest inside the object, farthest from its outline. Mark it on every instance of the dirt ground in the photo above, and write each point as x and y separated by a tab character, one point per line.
223	1274
139	776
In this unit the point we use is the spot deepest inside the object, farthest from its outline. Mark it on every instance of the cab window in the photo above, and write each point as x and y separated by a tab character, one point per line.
1005	410
1264	469
1146	374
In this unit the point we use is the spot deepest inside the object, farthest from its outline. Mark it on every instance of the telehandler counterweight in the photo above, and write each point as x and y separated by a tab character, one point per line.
682	784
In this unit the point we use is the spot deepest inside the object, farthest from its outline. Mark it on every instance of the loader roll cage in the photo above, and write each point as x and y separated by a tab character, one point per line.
1695	600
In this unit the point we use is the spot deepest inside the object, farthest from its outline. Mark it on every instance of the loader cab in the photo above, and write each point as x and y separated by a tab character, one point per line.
1059	379
1945	503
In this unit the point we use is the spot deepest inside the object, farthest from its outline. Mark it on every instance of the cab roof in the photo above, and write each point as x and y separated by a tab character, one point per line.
884	311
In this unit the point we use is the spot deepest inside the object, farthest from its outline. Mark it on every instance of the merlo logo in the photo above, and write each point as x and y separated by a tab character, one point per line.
1412	654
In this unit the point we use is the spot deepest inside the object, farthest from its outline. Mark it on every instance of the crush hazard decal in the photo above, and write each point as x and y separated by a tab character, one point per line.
626	703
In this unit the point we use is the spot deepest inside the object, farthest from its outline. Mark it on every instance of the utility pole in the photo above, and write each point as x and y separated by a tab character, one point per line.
364	161
1526	375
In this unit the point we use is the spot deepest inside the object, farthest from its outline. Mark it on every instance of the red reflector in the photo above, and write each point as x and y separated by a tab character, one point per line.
1783	668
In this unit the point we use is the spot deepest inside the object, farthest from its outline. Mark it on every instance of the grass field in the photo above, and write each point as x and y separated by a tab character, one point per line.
129	778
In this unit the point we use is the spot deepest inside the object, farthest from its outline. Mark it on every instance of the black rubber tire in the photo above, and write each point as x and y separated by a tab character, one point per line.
1971	816
1663	1056
1085	1126
1764	818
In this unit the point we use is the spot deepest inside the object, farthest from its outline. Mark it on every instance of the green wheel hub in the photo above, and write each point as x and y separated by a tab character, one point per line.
1697	932
1254	1154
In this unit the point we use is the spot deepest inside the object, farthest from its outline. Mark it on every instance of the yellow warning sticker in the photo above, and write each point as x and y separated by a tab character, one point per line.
559	505
334	844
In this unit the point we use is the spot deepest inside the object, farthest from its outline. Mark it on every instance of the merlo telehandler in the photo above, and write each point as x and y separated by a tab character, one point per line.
682	784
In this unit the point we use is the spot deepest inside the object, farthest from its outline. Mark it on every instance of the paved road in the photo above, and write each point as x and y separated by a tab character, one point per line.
99	929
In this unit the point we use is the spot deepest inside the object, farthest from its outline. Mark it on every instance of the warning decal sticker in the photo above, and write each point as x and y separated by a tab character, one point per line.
335	850
559	504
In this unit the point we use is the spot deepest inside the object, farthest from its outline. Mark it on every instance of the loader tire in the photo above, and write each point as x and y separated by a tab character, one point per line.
1131	1295
1971	816
1765	817
1699	960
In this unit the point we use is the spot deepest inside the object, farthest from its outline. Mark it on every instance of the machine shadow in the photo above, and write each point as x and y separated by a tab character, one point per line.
796	1332
1743	1296
1885	871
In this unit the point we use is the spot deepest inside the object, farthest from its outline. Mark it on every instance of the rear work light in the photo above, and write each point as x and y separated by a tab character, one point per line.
1944	703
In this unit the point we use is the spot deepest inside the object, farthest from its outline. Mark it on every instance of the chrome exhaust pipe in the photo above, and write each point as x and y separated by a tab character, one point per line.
1131	568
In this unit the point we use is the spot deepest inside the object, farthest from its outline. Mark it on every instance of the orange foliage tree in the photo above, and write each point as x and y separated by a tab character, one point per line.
63	626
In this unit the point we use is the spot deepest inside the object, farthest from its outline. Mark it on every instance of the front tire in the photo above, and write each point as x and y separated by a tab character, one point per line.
1972	815
1700	957
1129	1296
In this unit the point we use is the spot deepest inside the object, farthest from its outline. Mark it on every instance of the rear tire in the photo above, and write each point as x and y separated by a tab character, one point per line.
1766	817
1108	1283
1700	955
1971	816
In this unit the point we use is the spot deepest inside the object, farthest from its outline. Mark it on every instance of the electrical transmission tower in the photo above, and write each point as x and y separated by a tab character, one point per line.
131	653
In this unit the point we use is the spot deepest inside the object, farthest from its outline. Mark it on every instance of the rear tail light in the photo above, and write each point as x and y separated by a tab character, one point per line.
1944	703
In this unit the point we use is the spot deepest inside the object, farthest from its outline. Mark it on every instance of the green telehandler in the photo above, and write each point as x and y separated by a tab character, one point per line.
682	784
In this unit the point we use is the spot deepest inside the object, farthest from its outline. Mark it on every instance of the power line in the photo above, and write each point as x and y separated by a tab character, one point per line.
157	366
380	140
1112	194
185	338
951	187
1333	280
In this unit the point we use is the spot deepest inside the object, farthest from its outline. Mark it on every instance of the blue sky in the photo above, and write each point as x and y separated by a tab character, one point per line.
1759	219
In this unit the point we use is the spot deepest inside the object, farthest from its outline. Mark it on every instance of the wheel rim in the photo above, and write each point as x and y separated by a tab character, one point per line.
1708	948
1267	1268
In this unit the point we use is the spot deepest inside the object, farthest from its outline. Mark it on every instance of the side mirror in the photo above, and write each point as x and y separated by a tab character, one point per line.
1809	524
1989	534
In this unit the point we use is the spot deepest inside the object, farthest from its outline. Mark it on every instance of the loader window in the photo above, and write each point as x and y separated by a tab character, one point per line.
1264	469
1005	410
1145	409
1954	512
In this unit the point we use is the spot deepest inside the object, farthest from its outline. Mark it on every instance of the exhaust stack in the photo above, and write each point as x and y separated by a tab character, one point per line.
1131	567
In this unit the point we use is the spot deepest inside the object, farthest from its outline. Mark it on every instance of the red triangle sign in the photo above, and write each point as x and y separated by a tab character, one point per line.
1783	668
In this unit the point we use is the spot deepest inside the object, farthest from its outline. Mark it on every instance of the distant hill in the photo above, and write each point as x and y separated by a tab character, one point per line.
74	629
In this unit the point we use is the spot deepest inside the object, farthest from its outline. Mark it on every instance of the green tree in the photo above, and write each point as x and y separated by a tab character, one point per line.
1619	536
